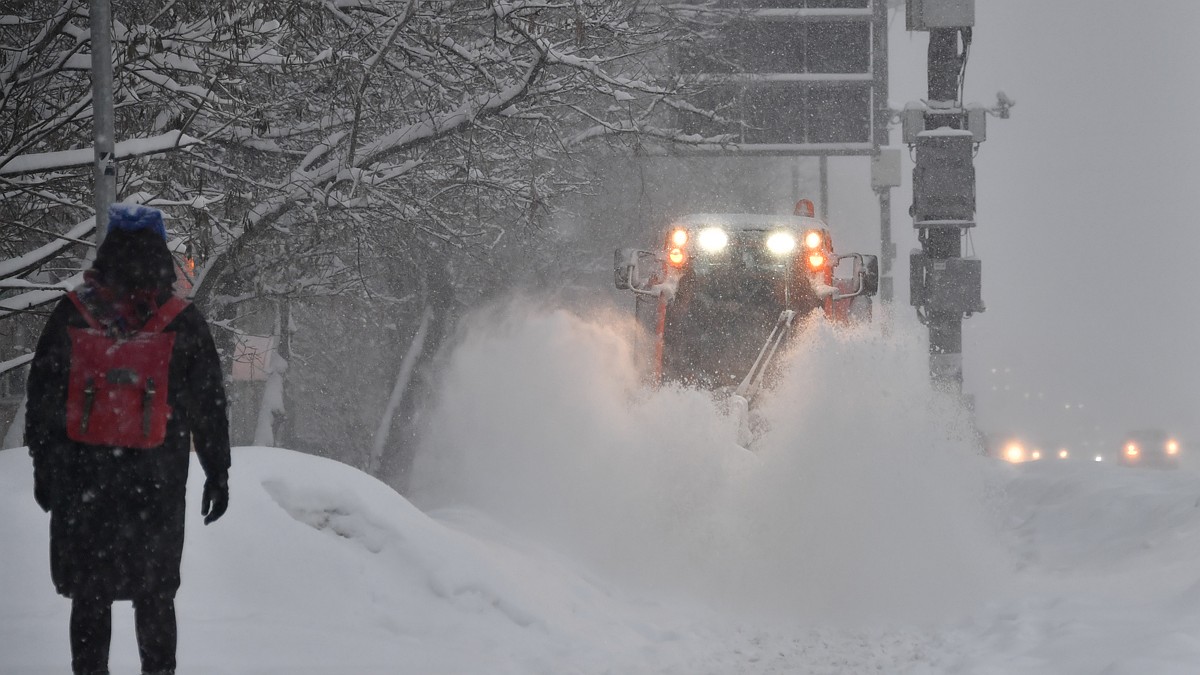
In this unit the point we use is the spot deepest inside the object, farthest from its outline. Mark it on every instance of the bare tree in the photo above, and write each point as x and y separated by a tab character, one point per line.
378	149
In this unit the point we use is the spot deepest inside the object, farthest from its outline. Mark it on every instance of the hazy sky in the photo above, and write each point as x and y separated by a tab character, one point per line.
1089	210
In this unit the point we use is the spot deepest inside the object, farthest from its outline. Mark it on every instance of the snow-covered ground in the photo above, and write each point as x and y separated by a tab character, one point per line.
567	521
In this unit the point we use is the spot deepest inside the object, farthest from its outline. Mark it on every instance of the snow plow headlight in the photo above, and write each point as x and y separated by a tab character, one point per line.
679	237
781	243
813	239
713	239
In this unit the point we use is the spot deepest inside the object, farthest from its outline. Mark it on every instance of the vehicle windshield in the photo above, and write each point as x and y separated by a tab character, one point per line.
744	271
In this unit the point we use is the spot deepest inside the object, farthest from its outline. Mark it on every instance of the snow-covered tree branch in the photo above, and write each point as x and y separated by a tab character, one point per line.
312	149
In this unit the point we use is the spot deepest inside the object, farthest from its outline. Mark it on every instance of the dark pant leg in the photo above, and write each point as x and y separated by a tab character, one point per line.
91	634
154	618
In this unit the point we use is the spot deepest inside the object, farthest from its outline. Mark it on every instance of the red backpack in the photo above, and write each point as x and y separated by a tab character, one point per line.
117	389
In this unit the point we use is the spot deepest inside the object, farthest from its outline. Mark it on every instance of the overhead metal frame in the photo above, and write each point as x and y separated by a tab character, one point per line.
877	136
863	93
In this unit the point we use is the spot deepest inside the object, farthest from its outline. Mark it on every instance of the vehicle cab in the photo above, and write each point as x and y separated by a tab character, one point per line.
722	283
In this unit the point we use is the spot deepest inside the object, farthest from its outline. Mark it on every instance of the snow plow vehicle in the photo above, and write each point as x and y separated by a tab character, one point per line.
722	296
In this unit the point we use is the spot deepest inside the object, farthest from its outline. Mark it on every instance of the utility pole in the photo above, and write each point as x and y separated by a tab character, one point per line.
944	286
885	161
105	171
823	183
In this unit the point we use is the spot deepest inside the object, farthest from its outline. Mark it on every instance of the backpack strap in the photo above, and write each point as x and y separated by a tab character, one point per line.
84	311
165	314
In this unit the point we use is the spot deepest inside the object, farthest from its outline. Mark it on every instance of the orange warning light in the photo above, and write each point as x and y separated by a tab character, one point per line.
676	256
816	261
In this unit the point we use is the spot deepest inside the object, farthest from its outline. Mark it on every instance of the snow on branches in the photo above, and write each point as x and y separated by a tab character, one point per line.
386	125
311	148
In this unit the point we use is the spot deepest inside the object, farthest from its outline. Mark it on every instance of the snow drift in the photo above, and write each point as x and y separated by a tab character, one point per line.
575	522
319	568
865	501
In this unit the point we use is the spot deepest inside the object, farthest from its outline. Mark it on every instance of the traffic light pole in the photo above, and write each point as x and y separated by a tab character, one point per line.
945	287
105	171
945	243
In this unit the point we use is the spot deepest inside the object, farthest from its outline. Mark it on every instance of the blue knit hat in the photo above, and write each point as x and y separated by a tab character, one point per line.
133	217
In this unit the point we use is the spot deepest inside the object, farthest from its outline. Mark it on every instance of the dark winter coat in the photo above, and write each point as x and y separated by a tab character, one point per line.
117	515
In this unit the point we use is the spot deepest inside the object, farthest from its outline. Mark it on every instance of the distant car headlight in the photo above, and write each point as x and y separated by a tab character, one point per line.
1063	454
1014	453
713	239
781	243
1132	450
1099	458
1172	447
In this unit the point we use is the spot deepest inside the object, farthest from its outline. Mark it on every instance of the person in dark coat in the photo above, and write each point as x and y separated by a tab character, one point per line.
117	514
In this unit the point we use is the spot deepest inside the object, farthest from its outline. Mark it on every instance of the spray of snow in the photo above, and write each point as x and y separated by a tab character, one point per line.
865	501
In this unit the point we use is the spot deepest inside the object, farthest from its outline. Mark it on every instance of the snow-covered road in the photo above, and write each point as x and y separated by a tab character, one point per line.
570	522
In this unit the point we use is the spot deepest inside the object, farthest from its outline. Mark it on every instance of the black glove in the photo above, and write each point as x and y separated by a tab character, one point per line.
216	497
42	492
43	485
